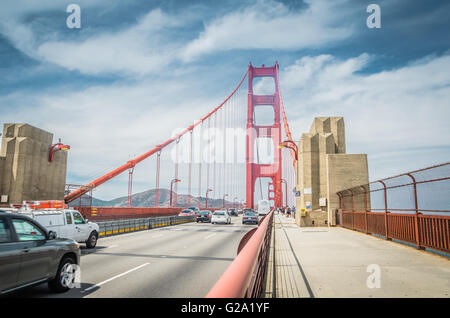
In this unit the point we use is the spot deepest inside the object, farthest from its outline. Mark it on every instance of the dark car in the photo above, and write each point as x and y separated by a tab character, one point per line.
233	212
250	217
204	216
30	255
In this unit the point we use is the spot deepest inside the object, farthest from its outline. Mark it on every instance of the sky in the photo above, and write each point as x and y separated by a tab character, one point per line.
137	70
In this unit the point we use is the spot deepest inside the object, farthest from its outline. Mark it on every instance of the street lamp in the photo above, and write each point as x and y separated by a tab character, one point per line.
223	200
171	184
209	190
287	144
284	181
234	202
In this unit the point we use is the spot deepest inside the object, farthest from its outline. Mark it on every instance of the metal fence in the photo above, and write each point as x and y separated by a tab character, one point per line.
108	228
412	207
244	278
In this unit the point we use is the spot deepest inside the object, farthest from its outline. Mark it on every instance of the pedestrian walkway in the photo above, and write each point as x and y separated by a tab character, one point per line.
336	262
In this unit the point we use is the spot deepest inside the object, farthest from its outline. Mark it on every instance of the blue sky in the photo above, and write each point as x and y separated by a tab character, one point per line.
136	70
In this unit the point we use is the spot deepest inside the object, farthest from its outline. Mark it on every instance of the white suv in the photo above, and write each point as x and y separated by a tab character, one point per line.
221	216
67	223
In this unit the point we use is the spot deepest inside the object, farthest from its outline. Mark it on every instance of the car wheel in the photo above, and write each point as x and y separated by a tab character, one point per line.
92	240
65	276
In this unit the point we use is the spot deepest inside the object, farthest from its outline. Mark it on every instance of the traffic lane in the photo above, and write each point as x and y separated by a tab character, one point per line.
189	272
184	272
120	254
123	253
97	266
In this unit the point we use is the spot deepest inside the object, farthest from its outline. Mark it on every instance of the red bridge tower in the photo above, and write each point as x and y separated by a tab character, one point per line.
255	169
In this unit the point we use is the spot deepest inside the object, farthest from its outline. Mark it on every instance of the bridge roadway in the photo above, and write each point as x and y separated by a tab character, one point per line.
178	261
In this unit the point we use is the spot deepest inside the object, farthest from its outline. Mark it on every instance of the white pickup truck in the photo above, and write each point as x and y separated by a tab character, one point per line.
67	223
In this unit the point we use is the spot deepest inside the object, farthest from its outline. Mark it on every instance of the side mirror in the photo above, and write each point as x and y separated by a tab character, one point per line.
52	235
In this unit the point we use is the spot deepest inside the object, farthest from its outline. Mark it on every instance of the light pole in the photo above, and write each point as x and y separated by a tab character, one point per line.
286	144
293	146
171	184
223	200
284	181
209	190
234	202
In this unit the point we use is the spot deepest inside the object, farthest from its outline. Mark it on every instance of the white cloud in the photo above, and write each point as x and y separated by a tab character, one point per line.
137	50
104	125
20	33
150	46
384	112
271	25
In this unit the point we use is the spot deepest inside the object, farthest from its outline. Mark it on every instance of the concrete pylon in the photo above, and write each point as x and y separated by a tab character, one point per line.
25	172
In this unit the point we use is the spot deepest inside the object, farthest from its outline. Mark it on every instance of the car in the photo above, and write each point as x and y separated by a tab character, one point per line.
186	212
263	207
67	223
250	217
240	211
220	216
204	216
232	212
193	208
31	255
248	210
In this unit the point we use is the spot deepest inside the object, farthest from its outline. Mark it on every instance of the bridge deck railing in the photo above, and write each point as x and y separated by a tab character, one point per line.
244	278
412	207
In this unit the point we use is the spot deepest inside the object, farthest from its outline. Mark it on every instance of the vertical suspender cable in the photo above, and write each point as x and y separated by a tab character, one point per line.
158	164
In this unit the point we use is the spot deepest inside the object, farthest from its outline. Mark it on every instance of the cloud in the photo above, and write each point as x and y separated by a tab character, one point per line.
139	49
403	109
152	43
271	25
106	124
20	21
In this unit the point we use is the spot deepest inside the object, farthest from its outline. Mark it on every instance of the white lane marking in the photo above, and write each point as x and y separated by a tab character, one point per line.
209	236
155	236
117	276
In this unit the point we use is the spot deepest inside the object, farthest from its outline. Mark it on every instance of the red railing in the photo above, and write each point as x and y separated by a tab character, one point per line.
244	278
411	207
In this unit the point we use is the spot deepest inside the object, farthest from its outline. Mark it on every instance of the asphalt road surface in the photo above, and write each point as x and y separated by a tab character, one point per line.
178	261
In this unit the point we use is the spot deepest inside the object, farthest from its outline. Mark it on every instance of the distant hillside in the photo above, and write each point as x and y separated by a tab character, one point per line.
147	199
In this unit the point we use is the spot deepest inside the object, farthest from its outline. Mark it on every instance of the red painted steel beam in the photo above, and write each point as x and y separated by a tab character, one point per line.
256	170
130	164
236	280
